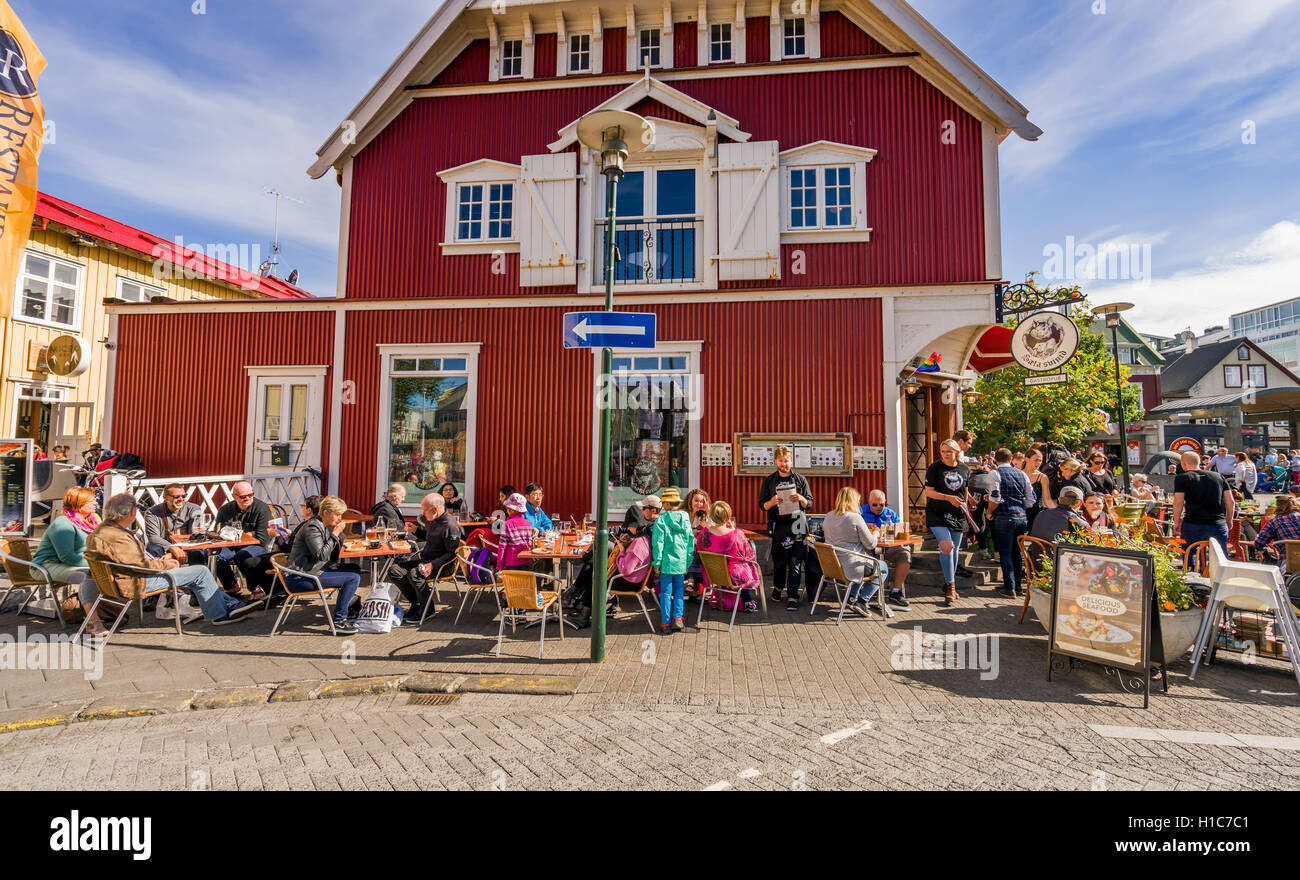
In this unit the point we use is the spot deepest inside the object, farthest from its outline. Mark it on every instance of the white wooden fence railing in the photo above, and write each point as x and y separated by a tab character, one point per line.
287	490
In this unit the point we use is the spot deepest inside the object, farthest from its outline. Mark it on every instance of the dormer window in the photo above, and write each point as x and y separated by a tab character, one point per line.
719	43
512	58
794	38
649	53
580	53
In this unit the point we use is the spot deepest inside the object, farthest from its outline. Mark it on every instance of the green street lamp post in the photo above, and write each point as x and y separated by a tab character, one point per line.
1111	312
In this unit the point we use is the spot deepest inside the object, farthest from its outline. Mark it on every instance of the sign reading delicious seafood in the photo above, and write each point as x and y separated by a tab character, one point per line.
1044	341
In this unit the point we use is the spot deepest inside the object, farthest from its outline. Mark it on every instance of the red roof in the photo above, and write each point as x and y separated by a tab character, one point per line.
98	226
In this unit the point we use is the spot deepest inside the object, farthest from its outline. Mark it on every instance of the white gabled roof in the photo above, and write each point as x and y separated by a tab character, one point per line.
438	43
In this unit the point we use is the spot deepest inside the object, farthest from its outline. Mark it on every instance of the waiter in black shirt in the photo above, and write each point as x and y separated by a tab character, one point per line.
784	496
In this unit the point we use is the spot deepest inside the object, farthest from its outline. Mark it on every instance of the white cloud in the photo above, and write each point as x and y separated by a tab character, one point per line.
1262	271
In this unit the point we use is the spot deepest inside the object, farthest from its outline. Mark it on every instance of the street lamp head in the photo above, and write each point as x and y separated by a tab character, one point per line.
615	134
1110	311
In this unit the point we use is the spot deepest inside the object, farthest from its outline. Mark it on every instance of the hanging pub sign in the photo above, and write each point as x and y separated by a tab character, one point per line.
1186	444
1104	611
15	486
1044	341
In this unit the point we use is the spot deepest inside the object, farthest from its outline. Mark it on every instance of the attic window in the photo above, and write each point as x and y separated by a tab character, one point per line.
719	42
1243	353
580	53
512	58
794	39
650	48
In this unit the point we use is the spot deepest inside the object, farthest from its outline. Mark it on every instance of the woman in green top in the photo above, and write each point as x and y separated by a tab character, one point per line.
63	547
673	546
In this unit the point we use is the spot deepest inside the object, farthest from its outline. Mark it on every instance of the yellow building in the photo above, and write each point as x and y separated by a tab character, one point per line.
57	369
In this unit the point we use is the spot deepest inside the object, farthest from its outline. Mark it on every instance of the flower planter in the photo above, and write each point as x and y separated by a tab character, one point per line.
1177	628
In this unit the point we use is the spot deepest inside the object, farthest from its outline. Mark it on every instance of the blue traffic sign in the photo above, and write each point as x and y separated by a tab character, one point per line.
609	330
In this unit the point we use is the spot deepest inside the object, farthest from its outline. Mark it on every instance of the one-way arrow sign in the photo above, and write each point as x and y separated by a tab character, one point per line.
609	330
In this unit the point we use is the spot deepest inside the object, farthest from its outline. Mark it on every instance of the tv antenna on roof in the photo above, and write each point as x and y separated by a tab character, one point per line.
268	266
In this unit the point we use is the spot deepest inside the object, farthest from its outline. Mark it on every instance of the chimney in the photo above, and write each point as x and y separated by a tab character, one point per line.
1188	338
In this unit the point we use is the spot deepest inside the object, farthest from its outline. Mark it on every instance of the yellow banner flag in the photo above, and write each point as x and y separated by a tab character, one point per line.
22	133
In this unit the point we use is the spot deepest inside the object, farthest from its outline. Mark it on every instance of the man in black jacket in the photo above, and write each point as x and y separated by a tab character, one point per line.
251	515
788	531
389	507
442	537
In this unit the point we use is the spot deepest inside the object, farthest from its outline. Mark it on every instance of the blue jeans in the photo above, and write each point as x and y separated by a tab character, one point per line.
346	582
1193	533
948	561
865	590
249	560
1006	528
671	586
215	604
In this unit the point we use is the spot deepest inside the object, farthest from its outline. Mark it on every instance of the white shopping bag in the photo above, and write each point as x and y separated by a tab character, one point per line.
377	611
190	609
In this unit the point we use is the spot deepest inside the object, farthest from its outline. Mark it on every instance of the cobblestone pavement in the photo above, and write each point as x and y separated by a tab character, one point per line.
683	711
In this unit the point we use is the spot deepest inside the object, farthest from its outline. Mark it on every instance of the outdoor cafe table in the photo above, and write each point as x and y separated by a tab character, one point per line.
380	558
209	547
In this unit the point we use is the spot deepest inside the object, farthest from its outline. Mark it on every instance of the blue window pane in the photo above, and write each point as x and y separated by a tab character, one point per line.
630	244
645	363
674	363
796	198
631	195
676	192
676	254
453	363
621	364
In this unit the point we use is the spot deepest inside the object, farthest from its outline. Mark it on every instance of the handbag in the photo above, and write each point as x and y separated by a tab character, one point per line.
72	610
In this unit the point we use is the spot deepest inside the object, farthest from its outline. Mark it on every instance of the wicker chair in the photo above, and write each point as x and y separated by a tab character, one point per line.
22	572
647	586
833	572
103	572
521	589
278	564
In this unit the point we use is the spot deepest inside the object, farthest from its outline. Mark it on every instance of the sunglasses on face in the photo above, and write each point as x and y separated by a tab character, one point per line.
244	497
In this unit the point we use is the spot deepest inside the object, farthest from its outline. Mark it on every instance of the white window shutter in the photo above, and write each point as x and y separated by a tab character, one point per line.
546	209
749	211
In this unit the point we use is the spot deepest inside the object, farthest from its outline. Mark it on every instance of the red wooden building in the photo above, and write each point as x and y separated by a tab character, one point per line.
818	212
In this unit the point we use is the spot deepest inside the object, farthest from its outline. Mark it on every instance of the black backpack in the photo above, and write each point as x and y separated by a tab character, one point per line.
1054	454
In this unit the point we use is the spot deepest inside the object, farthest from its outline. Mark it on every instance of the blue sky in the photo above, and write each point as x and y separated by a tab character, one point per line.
175	122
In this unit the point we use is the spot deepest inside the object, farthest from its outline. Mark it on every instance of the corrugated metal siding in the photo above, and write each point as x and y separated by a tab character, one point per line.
470	66
685	44
181	396
534	398
544	54
758	39
841	37
614	42
924	198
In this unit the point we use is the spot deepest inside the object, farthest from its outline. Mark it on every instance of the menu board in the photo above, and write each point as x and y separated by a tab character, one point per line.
815	455
715	454
1103	609
15	486
868	458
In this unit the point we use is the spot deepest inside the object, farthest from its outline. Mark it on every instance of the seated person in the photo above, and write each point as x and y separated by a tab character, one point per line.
1142	491
500	514
113	541
451	495
641	515
1285	526
441	540
166	521
516	535
1050	524
1095	512
315	550
846	530
62	551
899	559
720	535
389	507
631	567
535	514
250	515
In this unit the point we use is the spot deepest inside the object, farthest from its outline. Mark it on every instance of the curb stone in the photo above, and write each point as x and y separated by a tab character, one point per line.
169	702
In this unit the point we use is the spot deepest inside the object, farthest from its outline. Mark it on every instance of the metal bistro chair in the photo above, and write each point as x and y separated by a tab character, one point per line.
522	595
103	572
833	572
490	581
278	561
22	572
647	586
455	572
718	573
1031	551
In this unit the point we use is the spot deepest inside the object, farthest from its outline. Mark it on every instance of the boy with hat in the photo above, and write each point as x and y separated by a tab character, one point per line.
673	545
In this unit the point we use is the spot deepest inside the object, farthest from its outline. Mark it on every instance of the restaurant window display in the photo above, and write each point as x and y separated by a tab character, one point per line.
426	424
653	442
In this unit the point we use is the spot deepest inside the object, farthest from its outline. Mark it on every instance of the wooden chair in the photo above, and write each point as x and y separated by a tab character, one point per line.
833	572
279	564
1031	551
22	572
522	591
103	572
1196	558
647	586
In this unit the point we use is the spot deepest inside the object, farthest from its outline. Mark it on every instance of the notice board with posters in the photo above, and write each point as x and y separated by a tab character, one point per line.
815	455
1104	611
15	486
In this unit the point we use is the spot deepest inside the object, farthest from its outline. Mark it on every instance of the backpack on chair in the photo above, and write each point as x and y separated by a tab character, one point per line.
480	559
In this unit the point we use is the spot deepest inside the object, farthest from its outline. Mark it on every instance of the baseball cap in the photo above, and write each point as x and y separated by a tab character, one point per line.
1073	492
652	501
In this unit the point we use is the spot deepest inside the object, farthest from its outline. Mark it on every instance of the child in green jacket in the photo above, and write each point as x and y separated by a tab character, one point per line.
673	545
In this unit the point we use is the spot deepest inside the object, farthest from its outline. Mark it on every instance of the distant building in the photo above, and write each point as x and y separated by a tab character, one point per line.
1275	327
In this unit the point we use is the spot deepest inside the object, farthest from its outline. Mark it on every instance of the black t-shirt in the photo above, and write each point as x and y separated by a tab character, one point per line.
950	481
1078	481
1102	482
1202	497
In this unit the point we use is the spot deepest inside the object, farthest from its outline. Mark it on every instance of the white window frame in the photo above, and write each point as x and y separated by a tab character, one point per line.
642	47
506	41
389	353
690	349
785	22
150	290
650	197
1228	371
571	51
78	304
818	156
315	376
484	222
1250	371
486	172
718	43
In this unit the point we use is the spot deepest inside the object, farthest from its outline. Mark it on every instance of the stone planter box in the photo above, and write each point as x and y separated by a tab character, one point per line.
1177	629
